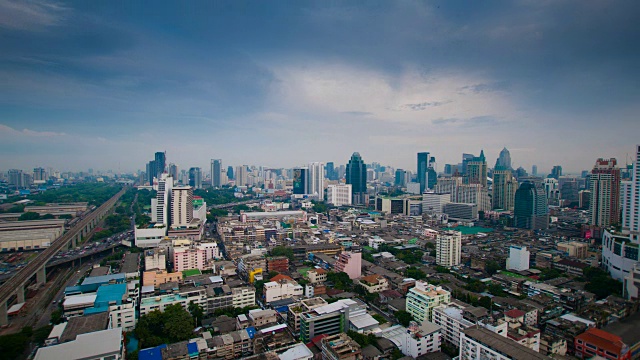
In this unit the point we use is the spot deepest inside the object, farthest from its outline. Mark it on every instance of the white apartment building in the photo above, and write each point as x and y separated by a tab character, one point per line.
160	205
518	258
211	250
316	180
317	276
243	297
479	343
155	260
415	340
285	289
422	298
448	248
454	318
160	302
181	206
123	316
339	194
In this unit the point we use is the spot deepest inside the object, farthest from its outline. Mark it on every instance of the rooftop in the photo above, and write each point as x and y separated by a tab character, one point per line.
603	339
86	346
502	344
84	324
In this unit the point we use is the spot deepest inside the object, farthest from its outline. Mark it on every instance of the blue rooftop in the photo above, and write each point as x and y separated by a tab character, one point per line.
154	353
192	348
104	279
107	295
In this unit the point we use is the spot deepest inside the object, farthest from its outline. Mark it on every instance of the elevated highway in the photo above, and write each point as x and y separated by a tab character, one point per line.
37	267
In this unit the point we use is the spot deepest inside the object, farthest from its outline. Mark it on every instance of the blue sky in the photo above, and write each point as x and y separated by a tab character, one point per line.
283	83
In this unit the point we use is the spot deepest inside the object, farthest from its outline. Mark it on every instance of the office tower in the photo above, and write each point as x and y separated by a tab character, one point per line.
433	203
476	170
449	169
432	175
531	210
151	171
356	176
472	194
160	205
339	195
465	160
300	181
399	178
161	162
16	179
534	170
423	165
422	298
39	175
504	160
556	172
173	171
230	174
241	175
448	248
316	180
569	191
631	210
584	199
195	178
330	171
504	188
216	172
181	206
605	193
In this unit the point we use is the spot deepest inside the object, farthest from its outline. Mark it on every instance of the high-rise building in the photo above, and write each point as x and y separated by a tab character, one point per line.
448	248
399	178
339	195
518	258
181	206
16	179
160	162
330	171
173	171
530	209
504	160
423	166
556	172
230	173
422	298
151	171
216	172
534	170
316	180
476	170
195	178
300	181
605	193
465	160
631	208
241	175
433	203
356	176
504	188
39	174
160	205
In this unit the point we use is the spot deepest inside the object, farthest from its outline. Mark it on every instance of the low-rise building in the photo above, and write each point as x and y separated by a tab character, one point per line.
415	340
283	289
340	347
316	276
602	344
574	249
479	343
374	283
422	298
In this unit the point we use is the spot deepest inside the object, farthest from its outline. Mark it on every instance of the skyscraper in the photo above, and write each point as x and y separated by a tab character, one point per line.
423	165
504	188
16	178
181	206
476	170
39	174
399	179
448	248
152	171
173	171
531	210
631	208
241	175
556	172
216	172
161	162
230	173
356	175
330	171
605	193
195	178
534	170
504	160
316	179
300	181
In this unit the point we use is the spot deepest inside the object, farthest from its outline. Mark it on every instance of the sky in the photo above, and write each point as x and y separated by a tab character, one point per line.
105	84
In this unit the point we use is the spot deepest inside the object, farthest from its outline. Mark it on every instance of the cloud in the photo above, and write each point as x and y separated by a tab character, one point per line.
7	130
35	15
424	105
357	113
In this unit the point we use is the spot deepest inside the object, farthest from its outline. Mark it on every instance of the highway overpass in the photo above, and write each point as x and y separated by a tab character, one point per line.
16	284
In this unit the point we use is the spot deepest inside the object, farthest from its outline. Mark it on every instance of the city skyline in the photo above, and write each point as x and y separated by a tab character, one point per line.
102	86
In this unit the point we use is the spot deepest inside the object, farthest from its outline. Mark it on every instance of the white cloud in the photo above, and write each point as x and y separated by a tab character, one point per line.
7	130
34	15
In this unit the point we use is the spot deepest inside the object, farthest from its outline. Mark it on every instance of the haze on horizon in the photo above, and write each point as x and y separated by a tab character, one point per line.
104	85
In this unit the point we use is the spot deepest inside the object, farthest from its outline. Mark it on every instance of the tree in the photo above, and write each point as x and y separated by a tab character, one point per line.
496	290
340	280
320	207
404	318
492	267
601	283
56	317
415	273
156	328
197	312
47	217
442	269
178	323
29	216
283	251
485	302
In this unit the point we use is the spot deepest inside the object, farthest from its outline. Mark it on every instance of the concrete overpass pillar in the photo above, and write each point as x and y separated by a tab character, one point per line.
41	276
20	294
4	318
